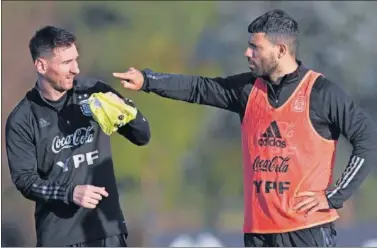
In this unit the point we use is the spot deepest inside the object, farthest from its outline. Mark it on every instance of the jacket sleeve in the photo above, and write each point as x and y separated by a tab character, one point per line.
359	129
136	131
22	161
218	92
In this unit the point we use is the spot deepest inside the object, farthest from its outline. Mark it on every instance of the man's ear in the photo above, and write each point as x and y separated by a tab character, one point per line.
41	65
283	50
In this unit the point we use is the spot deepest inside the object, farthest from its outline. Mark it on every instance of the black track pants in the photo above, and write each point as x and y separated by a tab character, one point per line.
323	236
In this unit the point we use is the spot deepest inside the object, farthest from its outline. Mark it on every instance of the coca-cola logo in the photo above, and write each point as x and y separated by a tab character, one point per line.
79	137
276	164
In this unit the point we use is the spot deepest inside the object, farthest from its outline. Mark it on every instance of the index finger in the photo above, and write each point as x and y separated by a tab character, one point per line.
121	75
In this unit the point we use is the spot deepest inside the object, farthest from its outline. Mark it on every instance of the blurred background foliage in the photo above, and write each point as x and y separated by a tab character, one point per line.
190	174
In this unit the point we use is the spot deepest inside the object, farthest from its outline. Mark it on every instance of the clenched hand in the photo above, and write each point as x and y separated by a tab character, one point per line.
88	196
132	79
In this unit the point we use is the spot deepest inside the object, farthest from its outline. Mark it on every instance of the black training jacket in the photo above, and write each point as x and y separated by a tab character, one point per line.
332	112
51	150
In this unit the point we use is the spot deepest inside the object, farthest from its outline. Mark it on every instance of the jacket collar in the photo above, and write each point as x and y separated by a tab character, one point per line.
293	77
36	95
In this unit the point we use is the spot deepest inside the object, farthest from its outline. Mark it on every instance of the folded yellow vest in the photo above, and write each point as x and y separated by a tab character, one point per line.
109	113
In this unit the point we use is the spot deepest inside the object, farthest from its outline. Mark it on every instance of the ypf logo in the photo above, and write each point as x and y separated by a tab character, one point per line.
88	158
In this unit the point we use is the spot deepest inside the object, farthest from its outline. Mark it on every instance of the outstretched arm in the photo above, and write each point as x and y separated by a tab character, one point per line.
217	92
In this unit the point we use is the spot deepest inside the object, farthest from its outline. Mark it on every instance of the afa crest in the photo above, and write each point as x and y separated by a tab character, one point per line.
299	104
85	109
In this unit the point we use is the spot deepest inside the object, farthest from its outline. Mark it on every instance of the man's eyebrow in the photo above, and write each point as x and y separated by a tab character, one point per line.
251	44
69	60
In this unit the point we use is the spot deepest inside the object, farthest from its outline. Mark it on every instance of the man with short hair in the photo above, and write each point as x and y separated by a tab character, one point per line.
58	155
291	119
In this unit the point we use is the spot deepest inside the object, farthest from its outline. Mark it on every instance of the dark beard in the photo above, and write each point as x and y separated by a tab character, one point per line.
55	86
61	90
265	72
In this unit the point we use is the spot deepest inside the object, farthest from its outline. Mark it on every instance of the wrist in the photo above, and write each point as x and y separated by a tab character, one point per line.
69	194
145	86
334	204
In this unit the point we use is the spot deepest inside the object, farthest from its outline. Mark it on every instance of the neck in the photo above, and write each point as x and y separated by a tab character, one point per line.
284	69
47	91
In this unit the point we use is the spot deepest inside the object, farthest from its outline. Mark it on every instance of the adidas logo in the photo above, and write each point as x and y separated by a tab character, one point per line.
43	123
272	137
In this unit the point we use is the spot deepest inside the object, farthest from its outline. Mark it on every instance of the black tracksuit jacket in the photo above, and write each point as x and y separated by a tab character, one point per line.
54	146
332	112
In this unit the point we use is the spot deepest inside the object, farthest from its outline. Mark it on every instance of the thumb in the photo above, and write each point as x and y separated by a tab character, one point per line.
100	190
103	192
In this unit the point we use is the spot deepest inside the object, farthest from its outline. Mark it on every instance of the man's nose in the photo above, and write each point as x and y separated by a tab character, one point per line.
75	69
248	52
